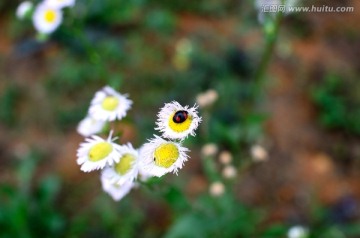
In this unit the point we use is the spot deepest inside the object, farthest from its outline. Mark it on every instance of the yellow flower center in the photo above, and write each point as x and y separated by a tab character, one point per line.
166	155
50	16
110	103
182	126
125	164
100	151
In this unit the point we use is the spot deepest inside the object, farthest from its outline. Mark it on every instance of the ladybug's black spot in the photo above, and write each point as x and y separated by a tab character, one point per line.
180	116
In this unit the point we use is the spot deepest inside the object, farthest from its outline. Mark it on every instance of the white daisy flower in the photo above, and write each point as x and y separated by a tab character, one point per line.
46	18
60	3
209	149
89	126
225	157
23	9
229	172
258	153
216	189
159	156
116	191
126	169
95	153
109	105
176	121
207	98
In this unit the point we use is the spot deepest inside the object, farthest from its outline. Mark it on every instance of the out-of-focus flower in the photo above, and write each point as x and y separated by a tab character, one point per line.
217	189
109	105
181	62
160	157
95	153
184	46
225	157
24	9
207	98
60	3
176	121
126	169
181	58
209	149
298	232
272	7
229	172
89	126
46	19
144	175
116	191
258	153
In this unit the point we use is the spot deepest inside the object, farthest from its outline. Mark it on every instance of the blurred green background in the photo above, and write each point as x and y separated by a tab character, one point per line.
298	99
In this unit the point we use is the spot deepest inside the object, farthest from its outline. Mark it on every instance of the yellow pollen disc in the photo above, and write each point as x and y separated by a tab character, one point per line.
100	151
50	16
166	155
125	164
110	103
180	127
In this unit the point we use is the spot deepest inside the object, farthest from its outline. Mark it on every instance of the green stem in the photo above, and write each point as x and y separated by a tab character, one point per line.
91	52
269	49
209	167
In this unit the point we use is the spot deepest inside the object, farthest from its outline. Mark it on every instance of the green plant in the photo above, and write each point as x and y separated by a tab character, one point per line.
338	103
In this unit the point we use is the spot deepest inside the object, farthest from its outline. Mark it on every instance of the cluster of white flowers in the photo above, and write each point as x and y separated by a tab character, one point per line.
229	171
46	16
122	165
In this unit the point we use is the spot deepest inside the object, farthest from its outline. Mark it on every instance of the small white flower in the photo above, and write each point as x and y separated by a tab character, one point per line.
23	9
60	3
176	121
116	191
225	157
46	18
297	232
258	153
89	126
160	156
95	153
229	172
217	189
207	98
126	169
209	149
109	105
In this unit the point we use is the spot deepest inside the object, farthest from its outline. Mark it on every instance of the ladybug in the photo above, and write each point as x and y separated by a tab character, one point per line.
180	116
